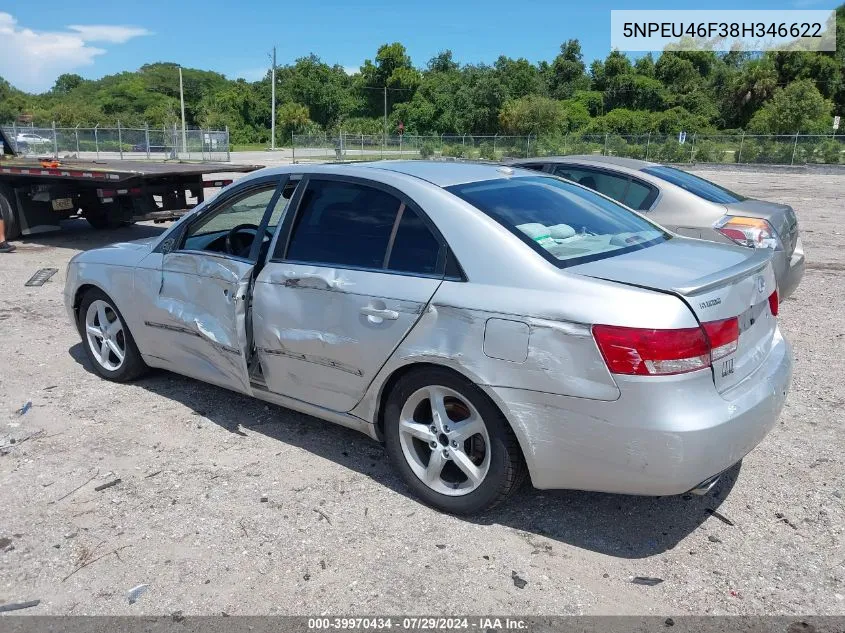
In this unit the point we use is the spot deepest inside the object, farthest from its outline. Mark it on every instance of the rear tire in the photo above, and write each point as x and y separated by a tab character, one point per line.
9	213
102	220
106	338
478	462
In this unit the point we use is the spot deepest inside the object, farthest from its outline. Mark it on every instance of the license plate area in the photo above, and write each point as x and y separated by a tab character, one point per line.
756	328
62	204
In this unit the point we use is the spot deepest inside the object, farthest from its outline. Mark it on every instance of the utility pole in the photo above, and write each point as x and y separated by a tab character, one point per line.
385	114
273	103
182	99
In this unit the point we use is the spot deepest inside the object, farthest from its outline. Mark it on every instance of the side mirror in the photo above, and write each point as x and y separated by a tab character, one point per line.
168	245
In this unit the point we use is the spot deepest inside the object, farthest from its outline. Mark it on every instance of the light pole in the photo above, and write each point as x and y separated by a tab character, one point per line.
273	103
182	99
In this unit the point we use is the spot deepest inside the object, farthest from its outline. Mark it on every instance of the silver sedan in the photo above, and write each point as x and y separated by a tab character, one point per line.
690	206
485	323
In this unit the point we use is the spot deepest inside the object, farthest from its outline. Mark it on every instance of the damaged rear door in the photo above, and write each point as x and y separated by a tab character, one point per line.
200	315
353	268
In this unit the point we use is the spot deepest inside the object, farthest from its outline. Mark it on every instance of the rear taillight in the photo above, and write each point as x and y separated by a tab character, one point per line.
774	303
646	352
723	337
752	232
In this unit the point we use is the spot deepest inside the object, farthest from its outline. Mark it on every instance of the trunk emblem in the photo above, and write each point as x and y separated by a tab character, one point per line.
761	285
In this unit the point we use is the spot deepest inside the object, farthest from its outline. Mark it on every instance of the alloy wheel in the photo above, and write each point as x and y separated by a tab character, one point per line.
105	335
444	440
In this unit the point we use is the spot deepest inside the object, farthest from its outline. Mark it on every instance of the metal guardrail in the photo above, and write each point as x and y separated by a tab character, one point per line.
119	142
793	149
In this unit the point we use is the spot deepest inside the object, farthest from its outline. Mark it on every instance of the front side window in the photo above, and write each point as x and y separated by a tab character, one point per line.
248	209
344	224
215	232
567	225
702	188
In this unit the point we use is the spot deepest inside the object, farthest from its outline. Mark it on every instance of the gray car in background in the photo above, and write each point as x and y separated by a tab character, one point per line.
689	205
483	322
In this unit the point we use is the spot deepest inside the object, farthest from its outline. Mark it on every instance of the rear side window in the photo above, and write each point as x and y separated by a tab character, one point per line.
639	196
341	223
611	186
415	249
533	166
617	186
702	188
568	225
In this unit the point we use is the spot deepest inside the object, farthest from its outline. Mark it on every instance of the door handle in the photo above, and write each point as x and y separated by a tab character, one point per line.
380	313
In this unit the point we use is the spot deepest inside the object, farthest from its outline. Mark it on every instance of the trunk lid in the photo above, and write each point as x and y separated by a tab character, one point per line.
780	216
716	281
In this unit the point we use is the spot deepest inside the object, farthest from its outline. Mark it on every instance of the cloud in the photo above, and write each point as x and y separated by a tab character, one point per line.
351	70
31	60
106	33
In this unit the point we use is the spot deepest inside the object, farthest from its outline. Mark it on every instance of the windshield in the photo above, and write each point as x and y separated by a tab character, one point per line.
702	188
565	223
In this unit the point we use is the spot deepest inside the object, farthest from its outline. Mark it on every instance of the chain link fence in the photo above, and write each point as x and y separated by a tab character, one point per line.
794	149
99	143
326	147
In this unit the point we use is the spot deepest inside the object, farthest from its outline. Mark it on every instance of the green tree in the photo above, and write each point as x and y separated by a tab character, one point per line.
567	71
519	77
443	62
67	82
292	118
799	107
636	92
392	69
533	115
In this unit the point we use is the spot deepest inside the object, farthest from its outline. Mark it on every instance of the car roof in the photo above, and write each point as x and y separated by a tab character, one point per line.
593	159
448	173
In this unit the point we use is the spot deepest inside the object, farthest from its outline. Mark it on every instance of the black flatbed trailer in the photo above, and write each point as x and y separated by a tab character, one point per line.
37	193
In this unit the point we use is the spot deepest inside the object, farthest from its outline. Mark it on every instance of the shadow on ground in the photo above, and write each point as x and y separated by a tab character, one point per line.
78	234
616	525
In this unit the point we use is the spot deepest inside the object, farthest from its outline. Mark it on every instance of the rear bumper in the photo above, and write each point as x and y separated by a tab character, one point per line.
663	436
789	270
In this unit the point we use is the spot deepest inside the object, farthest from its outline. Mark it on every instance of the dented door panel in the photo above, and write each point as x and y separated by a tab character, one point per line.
322	334
198	317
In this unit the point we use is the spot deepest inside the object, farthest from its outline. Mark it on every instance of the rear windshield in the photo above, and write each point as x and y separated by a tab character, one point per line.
565	223
698	186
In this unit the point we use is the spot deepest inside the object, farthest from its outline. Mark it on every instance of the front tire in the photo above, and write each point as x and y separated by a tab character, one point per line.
450	443
107	340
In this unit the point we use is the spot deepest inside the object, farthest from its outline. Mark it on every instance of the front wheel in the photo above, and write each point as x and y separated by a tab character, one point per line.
450	443
107	340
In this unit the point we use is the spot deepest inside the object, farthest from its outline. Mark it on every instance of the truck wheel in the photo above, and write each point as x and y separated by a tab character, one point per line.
101	220
9	213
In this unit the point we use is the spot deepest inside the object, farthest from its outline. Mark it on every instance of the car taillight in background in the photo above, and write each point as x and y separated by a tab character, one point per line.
751	232
647	352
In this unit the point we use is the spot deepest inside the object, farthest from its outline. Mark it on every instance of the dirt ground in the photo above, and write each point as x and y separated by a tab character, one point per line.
339	533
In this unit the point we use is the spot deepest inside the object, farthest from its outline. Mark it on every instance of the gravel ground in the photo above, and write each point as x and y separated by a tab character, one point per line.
228	505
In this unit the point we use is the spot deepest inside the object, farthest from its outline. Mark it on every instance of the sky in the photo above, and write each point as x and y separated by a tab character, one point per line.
39	40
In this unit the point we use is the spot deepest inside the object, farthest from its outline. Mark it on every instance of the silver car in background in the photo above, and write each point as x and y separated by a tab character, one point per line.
690	205
485	323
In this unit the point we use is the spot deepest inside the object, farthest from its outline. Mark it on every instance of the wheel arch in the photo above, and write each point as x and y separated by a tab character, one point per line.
397	373
82	290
